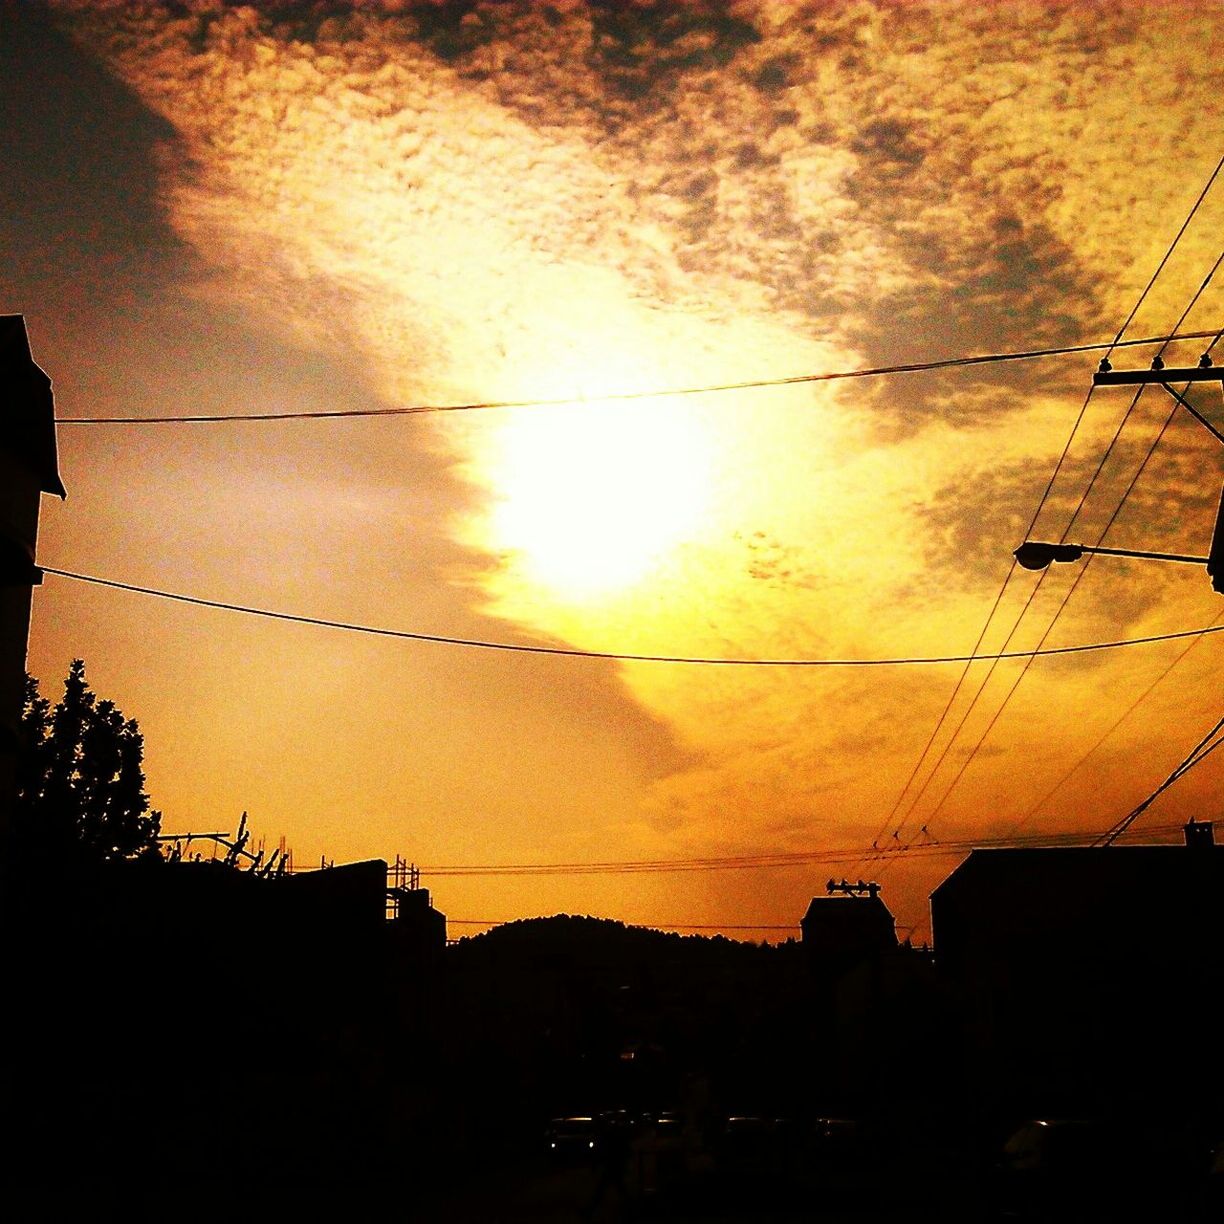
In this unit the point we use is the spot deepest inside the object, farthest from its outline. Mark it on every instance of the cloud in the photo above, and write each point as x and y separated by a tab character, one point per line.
500	200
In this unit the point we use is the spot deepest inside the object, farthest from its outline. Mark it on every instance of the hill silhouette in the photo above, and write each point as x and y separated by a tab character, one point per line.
548	1016
605	942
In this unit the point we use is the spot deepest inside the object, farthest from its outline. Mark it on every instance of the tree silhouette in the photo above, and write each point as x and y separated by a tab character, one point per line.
80	784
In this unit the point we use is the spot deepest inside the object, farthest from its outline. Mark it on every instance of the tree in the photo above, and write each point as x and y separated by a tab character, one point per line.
80	783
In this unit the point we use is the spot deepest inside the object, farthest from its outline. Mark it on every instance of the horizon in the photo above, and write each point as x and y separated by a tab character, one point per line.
367	208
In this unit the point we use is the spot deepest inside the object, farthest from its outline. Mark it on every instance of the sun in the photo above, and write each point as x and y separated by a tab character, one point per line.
589	497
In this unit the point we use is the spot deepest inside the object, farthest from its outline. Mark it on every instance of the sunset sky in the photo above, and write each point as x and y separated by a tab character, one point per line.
282	207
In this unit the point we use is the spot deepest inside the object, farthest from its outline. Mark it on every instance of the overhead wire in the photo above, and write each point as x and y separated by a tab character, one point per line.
973	752
708	389
947	708
1185	225
656	926
1197	754
960	680
918	795
620	656
744	862
915	367
1032	595
1036	807
1074	586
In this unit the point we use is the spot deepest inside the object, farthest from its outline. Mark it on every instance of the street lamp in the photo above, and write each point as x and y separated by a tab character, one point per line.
1037	555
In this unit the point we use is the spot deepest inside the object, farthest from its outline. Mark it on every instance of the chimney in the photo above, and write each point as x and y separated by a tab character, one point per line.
1199	834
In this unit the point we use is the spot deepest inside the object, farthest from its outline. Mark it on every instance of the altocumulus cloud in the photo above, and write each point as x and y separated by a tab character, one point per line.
521	198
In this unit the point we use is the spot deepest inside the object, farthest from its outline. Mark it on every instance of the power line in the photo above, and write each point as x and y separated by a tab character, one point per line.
1197	754
1172	247
657	926
618	656
1117	341
917	367
968	710
1028	603
1074	516
1079	577
1134	705
1011	692
1215	267
742	862
1113	518
960	680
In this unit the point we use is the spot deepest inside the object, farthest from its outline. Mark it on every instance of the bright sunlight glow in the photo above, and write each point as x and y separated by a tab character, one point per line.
589	497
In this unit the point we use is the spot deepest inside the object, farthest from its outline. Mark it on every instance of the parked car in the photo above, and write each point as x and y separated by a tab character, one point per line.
1086	1169
1207	1197
572	1140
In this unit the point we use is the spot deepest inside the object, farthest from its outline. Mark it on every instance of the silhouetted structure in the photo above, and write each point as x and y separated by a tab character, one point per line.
28	468
1082	972
210	1009
848	926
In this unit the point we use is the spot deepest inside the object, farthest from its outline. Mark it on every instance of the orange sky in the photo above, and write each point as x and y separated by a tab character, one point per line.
349	205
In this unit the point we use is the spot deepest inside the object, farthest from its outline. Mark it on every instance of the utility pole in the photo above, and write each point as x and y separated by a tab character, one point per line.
1038	554
28	468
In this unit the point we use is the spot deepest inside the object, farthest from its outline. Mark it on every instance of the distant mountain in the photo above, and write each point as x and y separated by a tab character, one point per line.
603	942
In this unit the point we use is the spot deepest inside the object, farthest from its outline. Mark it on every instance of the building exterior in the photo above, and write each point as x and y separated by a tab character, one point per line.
843	929
28	468
1084	974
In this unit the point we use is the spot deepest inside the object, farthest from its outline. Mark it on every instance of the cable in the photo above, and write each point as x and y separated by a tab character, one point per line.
1080	575
943	716
1198	753
575	652
990	671
1215	267
650	926
749	384
1028	603
1172	247
1032	595
960	680
1134	705
766	861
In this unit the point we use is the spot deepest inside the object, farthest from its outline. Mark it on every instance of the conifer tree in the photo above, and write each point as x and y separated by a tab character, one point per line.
80	782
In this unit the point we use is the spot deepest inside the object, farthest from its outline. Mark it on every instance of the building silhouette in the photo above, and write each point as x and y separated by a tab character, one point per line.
849	925
210	1010
1084	975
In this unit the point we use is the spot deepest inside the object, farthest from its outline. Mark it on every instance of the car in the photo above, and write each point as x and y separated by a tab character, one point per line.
747	1143
1089	1168
1207	1199
573	1139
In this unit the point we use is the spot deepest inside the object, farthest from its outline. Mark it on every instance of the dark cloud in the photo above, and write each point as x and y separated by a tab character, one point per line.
644	48
891	147
973	524
82	212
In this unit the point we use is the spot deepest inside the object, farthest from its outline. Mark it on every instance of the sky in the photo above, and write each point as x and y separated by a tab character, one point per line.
310	207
